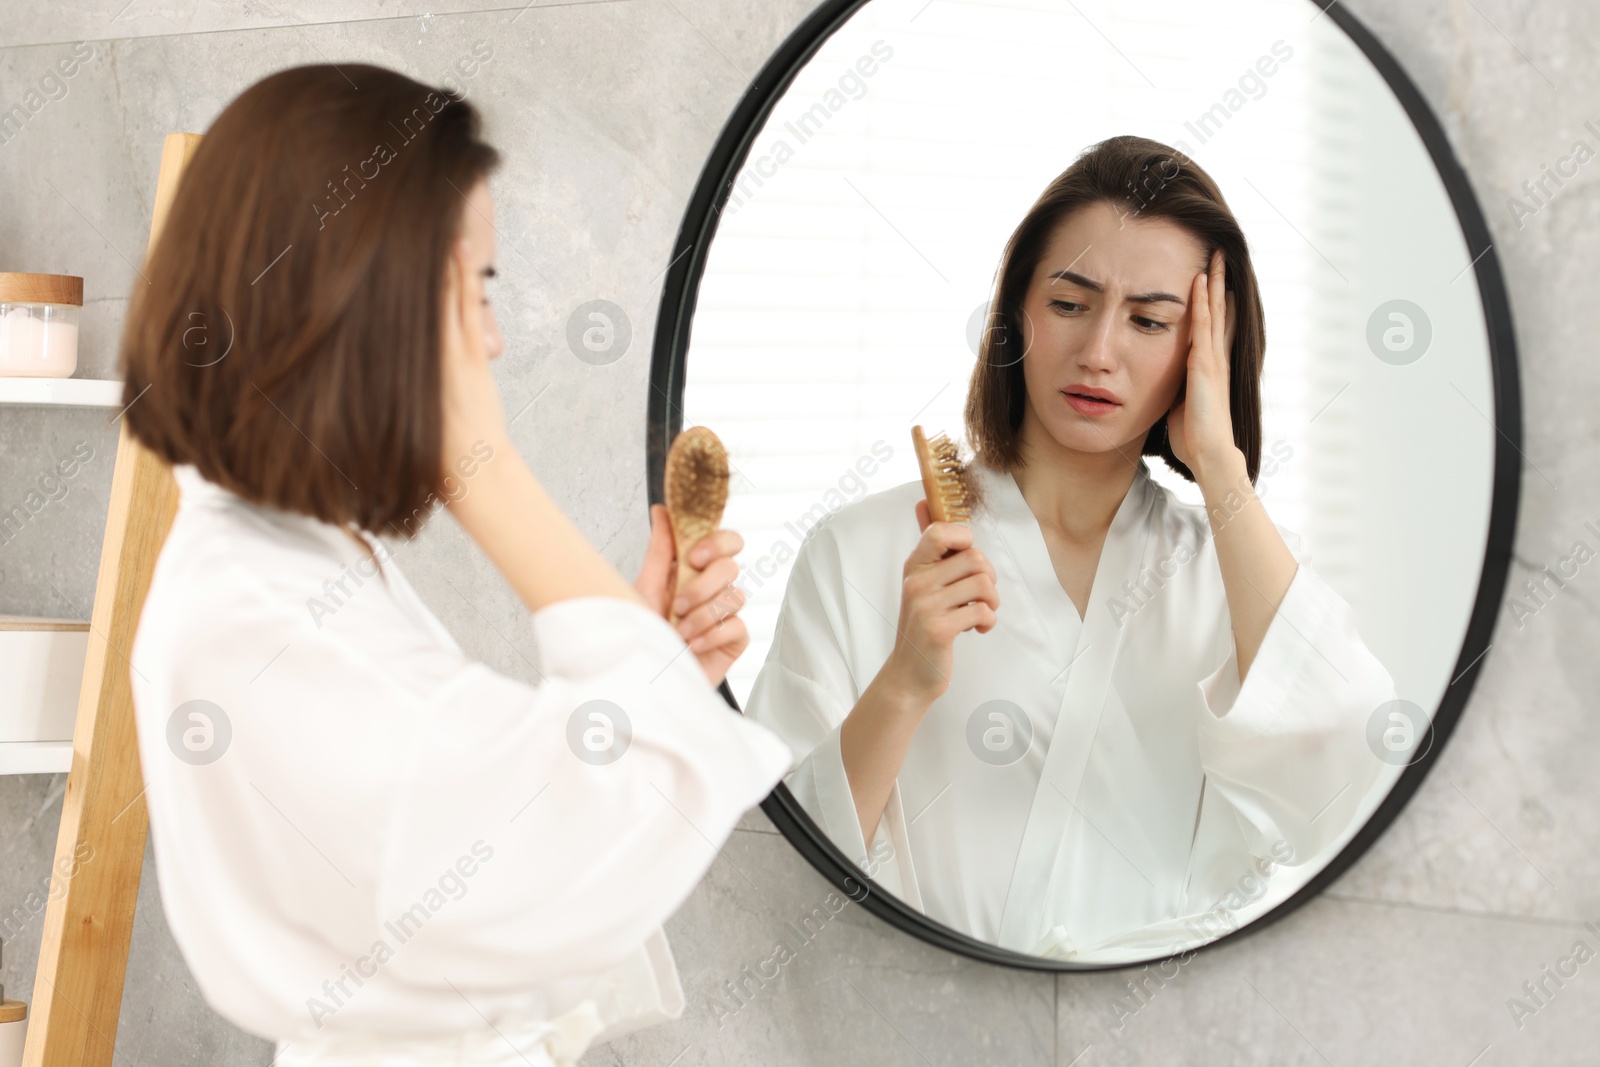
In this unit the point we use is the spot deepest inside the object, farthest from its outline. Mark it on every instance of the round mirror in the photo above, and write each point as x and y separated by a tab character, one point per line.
1225	534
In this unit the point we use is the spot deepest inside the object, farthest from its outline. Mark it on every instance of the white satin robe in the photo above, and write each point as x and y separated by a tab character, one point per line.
378	851
1154	784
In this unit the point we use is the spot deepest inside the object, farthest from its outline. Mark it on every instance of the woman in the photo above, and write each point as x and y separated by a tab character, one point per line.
1073	725
372	848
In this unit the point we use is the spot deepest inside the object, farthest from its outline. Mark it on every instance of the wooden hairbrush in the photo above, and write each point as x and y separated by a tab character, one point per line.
696	492
946	481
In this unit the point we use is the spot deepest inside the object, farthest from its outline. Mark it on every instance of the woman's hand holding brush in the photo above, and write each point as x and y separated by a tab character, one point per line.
706	606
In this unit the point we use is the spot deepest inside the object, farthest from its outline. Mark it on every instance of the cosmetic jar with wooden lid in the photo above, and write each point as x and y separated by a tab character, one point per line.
13	1032
39	325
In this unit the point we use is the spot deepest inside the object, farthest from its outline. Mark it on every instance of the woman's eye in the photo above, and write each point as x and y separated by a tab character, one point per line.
1065	305
1150	325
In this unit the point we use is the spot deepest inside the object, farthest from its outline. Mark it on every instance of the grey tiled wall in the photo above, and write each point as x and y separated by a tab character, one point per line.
605	112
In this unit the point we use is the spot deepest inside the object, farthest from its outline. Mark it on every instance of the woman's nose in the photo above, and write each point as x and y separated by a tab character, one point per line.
1097	352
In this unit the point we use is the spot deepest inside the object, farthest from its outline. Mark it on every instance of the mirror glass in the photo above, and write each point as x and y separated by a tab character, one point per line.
1093	782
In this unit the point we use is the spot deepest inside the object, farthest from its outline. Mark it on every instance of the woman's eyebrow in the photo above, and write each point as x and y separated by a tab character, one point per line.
1135	298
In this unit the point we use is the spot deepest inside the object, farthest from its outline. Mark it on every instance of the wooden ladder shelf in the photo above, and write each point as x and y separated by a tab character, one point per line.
83	956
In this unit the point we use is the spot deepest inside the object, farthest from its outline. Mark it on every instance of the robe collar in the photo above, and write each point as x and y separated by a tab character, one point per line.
1018	527
1003	497
1038	877
196	490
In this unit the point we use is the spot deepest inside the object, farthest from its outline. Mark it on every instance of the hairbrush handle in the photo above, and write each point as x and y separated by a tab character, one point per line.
930	481
685	572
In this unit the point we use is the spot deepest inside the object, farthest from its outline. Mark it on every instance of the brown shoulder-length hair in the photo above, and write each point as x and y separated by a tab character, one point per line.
288	340
1145	179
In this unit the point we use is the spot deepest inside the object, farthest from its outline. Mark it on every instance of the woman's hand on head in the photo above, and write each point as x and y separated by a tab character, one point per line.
1200	425
708	605
471	401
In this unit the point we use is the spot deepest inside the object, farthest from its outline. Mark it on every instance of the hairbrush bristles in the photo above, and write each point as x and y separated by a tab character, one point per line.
696	492
946	480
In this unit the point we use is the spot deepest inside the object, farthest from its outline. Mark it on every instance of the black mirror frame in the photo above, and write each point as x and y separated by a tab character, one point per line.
665	419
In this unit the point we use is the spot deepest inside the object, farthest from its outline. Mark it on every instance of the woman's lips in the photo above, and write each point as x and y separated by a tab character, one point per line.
1084	405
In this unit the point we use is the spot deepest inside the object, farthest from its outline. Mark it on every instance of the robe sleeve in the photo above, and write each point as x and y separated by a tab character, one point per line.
384	810
596	855
805	690
504	854
1287	749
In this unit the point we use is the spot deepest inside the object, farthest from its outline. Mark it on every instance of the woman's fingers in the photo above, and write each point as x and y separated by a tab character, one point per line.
932	579
1209	349
977	587
977	615
953	568
944	613
709	599
471	302
456	290
731	636
452	307
715	545
707	586
1219	304
1232	315
934	602
463	332
657	572
715	614
455	372
471	405
937	540
949	586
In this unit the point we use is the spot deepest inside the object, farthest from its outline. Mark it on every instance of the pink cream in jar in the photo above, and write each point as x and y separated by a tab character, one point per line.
39	325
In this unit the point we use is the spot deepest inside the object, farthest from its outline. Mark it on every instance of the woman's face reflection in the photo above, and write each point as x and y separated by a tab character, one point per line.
1107	309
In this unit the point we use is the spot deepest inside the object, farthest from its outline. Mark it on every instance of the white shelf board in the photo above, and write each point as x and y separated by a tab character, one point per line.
35	757
72	392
